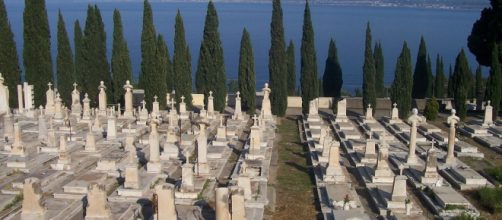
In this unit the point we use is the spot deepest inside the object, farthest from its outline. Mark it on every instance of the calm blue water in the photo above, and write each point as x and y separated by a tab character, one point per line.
445	31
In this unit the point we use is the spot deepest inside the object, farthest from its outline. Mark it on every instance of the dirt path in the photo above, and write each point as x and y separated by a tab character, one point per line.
292	180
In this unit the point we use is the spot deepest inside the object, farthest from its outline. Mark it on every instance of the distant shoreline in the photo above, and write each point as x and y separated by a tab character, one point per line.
426	4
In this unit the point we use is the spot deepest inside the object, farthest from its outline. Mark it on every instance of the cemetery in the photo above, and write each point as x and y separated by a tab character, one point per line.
128	162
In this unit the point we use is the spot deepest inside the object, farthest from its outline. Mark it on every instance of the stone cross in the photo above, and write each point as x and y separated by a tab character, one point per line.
414	119
452	120
255	120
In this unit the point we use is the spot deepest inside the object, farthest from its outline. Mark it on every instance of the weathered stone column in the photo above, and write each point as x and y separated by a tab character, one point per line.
452	121
413	120
210	104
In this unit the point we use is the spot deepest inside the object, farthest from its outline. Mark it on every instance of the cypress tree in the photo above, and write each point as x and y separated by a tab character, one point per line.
247	82
121	62
379	68
277	62
450	83
309	80
150	75
461	84
96	63
369	72
9	62
78	41
165	64
403	82
332	79
439	88
37	48
182	63
480	90
64	63
420	76
291	67
430	79
494	83
210	74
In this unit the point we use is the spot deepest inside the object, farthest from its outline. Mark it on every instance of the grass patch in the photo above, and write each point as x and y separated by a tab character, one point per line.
199	196
294	184
15	201
491	198
495	173
454	207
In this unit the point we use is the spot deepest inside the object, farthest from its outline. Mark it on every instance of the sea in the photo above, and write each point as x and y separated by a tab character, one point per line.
445	31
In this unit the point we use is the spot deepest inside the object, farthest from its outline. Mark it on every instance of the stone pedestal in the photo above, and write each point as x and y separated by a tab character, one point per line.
76	107
132	180
237	111
111	128
49	97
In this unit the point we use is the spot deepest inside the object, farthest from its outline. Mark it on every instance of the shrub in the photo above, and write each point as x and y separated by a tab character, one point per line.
495	172
431	109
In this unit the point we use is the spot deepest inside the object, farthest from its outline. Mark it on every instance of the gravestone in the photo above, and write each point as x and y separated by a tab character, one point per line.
222	204
488	119
165	202
210	104
102	102
132	180
266	108
20	102
97	204
334	172
341	112
86	113
399	195
4	96
129	108
42	126
202	165
18	148
430	174
49	97
238	111
76	107
154	165
452	120
32	207
238	205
